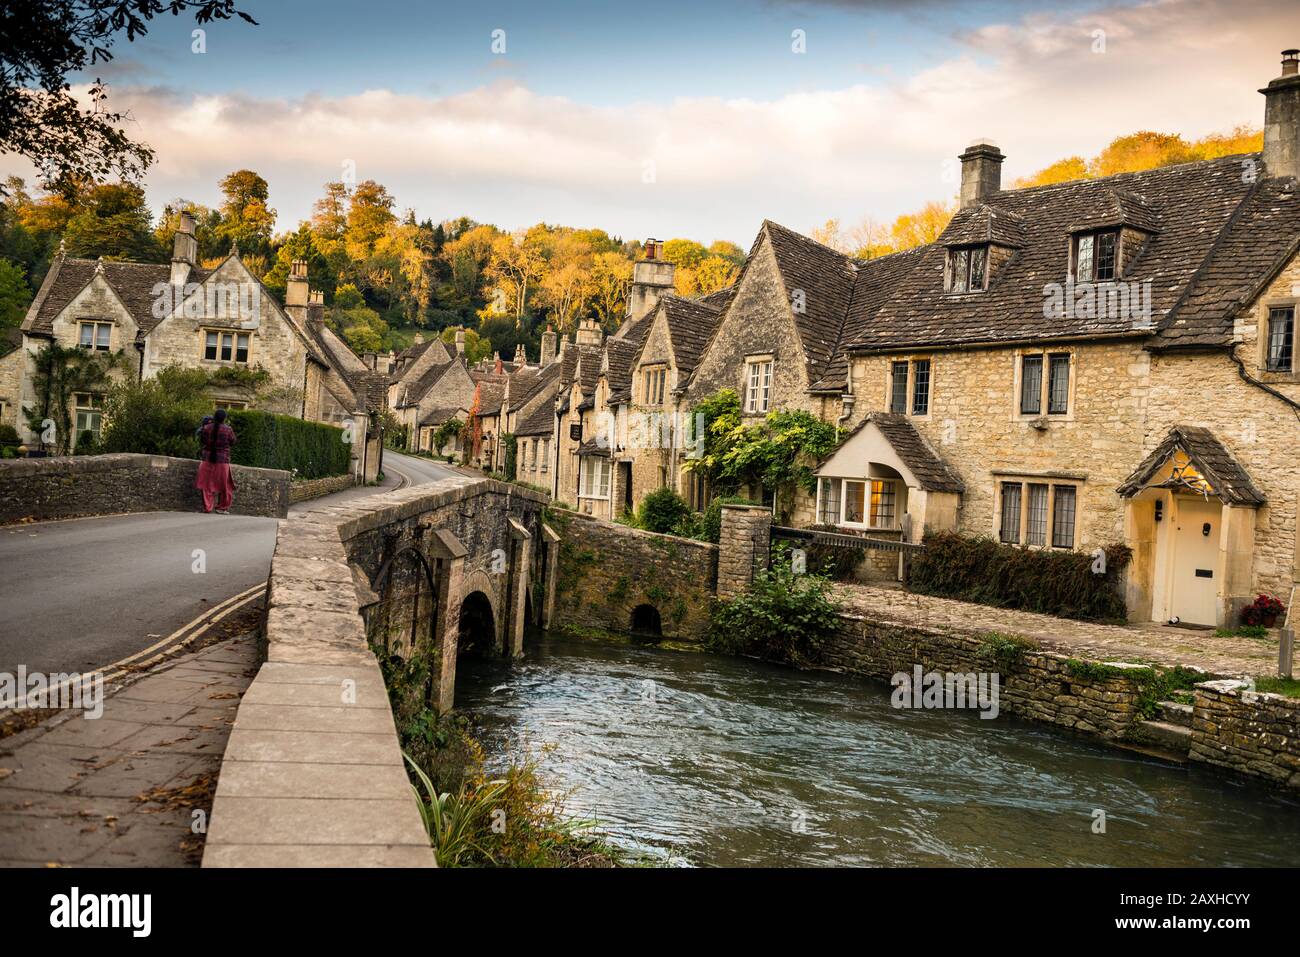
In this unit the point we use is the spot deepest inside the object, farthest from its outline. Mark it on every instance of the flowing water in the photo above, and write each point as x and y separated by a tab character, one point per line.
708	760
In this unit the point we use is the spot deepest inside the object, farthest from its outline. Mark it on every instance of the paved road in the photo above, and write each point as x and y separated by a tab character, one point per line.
83	593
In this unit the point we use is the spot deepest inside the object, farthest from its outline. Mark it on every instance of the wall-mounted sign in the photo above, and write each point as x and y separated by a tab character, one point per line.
575	431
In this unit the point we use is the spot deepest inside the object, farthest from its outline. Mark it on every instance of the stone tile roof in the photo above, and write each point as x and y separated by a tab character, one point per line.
133	283
441	414
1260	240
934	474
1190	205
541	421
490	393
873	283
690	325
1231	483
620	356
593	447
427	380
985	224
825	277
11	337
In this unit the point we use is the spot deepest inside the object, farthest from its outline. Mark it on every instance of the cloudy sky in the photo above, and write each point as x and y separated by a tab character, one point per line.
663	118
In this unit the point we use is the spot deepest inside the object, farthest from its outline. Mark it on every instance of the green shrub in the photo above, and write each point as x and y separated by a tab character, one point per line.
1007	650
157	416
270	441
87	444
1058	583
783	617
662	510
9	435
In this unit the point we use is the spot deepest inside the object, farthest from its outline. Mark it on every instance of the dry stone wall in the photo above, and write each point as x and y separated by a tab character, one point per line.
1254	734
72	487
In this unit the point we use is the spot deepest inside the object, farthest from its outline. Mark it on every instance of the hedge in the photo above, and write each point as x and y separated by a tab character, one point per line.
1060	583
269	441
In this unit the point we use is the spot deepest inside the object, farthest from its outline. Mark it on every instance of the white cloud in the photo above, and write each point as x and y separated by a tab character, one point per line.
505	154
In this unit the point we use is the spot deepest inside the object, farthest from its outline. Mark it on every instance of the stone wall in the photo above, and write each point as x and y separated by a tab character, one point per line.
304	489
607	570
744	546
76	486
1039	687
1254	734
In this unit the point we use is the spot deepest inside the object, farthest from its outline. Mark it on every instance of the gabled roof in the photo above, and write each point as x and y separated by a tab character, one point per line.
1228	480
825	279
690	324
985	224
441	414
1257	244
1187	206
620	355
11	337
913	453
541	420
132	282
873	284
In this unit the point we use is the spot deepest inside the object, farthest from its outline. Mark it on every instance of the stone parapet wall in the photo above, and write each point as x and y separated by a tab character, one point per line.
76	486
607	570
302	491
1039	687
1254	734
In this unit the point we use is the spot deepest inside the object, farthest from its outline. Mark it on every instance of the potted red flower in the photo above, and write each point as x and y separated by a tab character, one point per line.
1265	611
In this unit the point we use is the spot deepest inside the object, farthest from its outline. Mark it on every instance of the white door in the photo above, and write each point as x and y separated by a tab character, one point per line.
1196	557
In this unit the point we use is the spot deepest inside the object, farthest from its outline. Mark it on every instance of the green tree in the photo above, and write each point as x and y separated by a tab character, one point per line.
15	295
58	373
45	42
301	245
114	223
246	217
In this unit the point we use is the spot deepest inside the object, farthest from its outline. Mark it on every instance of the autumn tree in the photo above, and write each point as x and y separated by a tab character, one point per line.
246	217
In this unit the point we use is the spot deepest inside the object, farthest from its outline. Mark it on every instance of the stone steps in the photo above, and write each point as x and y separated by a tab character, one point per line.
1171	712
1174	738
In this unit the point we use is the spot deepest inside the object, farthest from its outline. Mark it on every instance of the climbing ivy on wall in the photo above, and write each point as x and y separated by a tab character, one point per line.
778	453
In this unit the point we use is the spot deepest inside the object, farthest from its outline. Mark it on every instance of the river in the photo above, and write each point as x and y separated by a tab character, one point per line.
705	760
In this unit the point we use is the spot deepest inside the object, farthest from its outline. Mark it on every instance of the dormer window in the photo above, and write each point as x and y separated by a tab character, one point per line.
1096	256
968	269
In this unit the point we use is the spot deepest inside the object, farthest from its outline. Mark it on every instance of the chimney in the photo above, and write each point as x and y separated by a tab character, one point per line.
548	347
521	357
296	289
1282	119
564	346
498	366
315	309
460	340
981	172
652	277
185	249
590	333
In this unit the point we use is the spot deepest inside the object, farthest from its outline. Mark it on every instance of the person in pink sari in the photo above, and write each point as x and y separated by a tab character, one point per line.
214	479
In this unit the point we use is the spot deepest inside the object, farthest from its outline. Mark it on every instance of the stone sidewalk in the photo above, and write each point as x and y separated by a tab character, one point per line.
1137	644
120	790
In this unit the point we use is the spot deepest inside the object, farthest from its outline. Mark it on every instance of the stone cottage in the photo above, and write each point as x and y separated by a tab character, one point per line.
223	320
1094	362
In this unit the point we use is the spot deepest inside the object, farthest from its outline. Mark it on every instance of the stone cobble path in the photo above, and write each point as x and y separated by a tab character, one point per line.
1149	644
120	790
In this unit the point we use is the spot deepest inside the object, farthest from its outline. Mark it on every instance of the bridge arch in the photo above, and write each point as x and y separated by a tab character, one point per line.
477	630
404	619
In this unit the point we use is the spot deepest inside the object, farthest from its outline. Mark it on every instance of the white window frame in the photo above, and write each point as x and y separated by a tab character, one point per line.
92	407
868	485
758	384
95	326
595	486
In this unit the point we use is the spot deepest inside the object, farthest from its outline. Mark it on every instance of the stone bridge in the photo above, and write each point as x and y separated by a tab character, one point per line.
313	772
